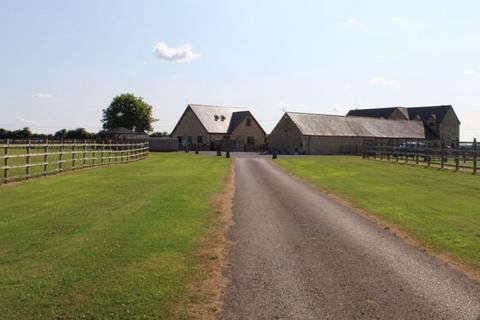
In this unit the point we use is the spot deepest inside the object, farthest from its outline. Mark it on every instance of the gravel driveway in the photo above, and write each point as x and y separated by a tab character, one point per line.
300	255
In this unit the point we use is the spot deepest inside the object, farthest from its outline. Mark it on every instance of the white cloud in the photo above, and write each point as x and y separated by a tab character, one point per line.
24	121
353	23
286	107
470	72
180	54
43	95
339	110
398	20
383	82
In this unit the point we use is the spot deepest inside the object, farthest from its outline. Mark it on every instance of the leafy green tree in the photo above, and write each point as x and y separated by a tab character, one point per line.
129	112
79	133
62	134
159	134
24	133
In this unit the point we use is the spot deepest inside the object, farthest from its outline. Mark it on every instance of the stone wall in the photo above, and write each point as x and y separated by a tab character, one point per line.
189	125
449	128
163	144
243	131
286	137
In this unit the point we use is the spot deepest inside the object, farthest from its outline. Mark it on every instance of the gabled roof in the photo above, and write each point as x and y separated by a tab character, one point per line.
311	124
215	119
237	117
373	113
424	113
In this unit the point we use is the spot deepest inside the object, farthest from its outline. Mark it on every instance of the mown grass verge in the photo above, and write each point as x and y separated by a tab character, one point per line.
440	209
117	242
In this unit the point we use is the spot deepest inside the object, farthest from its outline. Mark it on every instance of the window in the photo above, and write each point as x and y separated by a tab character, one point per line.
179	140
190	140
200	139
250	140
249	122
226	137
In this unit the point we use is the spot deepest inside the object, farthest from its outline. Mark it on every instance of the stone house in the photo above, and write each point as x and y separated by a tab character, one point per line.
214	127
309	133
440	122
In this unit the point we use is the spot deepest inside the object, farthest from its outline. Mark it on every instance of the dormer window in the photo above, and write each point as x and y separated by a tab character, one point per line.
216	117
222	117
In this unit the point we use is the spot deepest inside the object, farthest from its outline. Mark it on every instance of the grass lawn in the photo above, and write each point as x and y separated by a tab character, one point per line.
116	242
441	209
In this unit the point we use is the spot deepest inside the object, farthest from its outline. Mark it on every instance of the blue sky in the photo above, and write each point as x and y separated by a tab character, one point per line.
61	62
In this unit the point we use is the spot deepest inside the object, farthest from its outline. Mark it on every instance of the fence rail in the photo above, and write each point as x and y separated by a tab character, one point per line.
22	160
462	156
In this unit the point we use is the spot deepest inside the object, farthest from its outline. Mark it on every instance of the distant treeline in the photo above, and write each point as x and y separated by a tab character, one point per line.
79	133
26	133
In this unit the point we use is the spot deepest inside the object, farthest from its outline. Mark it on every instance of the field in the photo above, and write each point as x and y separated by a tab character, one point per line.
116	242
441	209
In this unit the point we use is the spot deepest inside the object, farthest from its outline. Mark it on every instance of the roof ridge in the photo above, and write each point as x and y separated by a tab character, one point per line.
215	106
347	117
437	106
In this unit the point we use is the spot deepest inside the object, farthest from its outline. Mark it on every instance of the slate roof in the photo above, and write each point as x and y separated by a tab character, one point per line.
423	112
211	116
217	119
373	113
237	117
311	124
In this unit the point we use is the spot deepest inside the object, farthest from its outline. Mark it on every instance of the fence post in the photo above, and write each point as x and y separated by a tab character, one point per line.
474	156
456	160
27	162
73	154
94	152
45	157
442	155
60	158
84	153
416	153
102	150
5	163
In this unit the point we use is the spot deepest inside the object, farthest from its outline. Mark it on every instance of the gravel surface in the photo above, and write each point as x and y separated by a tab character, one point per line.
300	255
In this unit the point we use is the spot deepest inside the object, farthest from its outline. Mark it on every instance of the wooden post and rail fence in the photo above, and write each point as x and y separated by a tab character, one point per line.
25	159
460	156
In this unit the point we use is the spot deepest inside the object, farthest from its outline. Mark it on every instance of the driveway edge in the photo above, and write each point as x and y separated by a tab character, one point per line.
214	251
451	262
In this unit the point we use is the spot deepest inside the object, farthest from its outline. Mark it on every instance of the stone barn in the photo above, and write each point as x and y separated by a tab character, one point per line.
214	127
440	122
309	133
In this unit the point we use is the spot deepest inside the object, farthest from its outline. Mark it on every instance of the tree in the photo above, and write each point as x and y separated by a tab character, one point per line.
159	134
129	112
62	134
24	133
79	133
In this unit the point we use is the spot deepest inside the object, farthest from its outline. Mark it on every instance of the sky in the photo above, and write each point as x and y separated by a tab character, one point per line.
62	62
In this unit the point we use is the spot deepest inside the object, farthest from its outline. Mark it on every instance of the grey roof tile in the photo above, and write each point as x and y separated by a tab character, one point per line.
330	125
